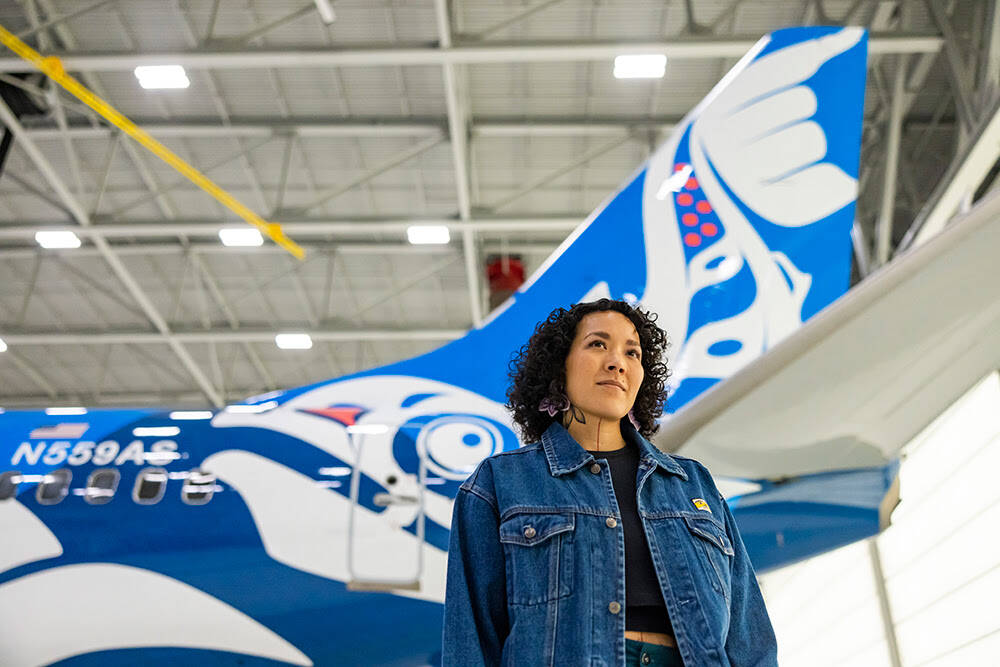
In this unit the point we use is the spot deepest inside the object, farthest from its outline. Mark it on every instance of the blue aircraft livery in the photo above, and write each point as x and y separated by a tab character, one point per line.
310	526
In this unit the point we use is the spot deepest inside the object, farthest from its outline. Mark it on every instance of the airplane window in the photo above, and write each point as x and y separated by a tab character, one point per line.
101	486
54	487
8	484
149	486
198	487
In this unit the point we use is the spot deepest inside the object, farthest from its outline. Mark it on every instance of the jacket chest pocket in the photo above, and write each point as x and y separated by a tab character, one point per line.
538	551
714	549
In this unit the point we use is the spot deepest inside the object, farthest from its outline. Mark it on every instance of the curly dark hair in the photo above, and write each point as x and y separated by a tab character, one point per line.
538	368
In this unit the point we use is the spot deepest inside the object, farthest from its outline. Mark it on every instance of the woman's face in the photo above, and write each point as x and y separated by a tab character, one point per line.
604	365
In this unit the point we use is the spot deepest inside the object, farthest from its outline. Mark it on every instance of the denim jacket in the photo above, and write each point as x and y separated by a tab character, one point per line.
536	562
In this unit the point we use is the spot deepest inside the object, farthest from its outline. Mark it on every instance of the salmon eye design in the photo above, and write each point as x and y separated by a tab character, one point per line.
455	444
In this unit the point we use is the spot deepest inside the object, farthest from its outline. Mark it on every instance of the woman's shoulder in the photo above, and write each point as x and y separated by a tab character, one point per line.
689	463
525	455
501	464
523	449
698	471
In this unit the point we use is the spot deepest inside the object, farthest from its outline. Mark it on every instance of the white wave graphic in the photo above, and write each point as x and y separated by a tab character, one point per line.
754	130
382	396
757	134
28	539
77	609
304	526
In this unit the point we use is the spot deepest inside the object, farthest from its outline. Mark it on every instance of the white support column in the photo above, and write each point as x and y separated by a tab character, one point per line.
323	127
888	625
305	227
131	337
457	134
697	48
884	227
860	250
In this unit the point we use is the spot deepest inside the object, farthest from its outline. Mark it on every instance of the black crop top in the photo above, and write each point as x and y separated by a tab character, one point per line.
644	607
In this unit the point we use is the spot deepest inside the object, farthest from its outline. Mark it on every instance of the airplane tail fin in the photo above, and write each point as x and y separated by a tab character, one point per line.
734	232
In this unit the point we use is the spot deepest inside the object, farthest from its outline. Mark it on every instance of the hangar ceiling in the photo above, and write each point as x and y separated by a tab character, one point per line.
498	118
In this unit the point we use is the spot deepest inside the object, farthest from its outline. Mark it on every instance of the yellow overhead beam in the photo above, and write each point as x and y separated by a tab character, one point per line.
53	68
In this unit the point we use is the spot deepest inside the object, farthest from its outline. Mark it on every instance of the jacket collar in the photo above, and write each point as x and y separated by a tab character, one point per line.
564	454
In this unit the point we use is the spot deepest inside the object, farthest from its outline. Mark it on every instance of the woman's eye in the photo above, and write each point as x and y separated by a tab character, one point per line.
597	342
635	352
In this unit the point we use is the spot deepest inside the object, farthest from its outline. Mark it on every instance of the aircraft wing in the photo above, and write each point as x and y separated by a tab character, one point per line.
860	379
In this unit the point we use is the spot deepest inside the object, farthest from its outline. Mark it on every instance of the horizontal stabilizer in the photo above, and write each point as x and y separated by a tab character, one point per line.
858	381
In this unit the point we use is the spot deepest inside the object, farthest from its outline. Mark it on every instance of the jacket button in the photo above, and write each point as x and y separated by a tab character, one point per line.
529	532
596	468
646	659
614	607
611	522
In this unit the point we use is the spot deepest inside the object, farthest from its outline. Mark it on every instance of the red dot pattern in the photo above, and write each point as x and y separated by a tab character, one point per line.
700	230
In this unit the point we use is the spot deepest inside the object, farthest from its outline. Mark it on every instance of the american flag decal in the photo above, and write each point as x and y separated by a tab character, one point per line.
66	431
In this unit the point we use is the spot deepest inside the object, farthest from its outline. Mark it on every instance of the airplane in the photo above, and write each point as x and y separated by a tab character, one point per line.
310	526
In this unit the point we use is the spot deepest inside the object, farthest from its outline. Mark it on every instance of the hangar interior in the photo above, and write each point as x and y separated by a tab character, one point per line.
922	591
510	147
503	122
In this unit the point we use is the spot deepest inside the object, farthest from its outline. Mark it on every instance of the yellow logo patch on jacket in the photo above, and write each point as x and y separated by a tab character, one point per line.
701	504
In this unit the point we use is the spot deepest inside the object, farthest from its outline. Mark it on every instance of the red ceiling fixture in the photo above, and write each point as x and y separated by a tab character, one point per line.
506	274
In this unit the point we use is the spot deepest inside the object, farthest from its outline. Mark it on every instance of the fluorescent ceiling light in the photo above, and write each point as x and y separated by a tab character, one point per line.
65	411
152	77
3	345
368	429
191	414
241	236
325	11
427	234
293	341
52	239
640	66
154	431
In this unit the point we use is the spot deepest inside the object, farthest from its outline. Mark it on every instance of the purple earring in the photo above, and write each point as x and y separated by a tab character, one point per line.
631	418
556	401
554	405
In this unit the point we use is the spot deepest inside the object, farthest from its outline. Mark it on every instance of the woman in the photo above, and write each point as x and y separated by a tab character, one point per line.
590	546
